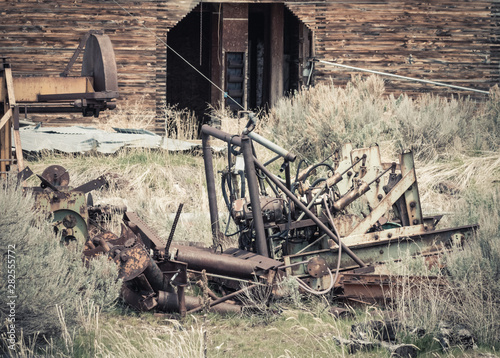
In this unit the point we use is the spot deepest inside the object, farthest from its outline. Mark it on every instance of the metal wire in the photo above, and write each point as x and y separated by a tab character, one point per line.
403	77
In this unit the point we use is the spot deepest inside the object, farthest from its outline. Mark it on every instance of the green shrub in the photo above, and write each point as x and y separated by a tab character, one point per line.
48	276
315	120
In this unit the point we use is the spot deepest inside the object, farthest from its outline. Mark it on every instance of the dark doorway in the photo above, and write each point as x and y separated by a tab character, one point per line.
253	52
185	86
258	43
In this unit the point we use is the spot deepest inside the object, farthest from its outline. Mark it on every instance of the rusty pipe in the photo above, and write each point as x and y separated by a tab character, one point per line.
253	189
168	302
222	299
351	196
210	179
217	133
199	259
310	214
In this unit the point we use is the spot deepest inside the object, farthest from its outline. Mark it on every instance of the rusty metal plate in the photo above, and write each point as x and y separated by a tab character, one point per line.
56	175
132	261
317	267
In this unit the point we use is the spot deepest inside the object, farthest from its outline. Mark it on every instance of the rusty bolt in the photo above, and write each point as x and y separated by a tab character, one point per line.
415	221
349	173
425	227
124	256
412	204
389	235
380	196
410	188
381	252
377	180
375	237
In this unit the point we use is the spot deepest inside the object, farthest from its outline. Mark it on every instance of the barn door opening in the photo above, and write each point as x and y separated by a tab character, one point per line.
253	52
186	88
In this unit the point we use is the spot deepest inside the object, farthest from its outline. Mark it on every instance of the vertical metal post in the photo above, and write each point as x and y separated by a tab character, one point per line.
181	300
210	178
253	189
287	175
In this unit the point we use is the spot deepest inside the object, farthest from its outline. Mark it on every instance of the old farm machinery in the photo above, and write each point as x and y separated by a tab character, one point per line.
90	93
292	226
309	227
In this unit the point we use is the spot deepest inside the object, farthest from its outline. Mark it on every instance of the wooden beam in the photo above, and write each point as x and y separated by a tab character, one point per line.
17	140
5	118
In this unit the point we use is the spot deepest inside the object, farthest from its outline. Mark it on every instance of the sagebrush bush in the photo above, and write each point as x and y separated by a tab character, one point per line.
48	275
317	119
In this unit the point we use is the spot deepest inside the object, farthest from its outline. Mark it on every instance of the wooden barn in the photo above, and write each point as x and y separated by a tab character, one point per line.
249	53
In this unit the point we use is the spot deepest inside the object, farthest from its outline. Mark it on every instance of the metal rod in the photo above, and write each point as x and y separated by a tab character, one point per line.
253	189
172	229
272	147
393	166
226	277
404	77
311	215
288	178
222	299
272	160
311	244
217	133
210	179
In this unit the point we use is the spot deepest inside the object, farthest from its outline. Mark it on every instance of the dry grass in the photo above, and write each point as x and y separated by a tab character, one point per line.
457	161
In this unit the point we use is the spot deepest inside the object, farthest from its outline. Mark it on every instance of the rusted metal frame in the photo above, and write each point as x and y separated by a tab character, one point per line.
207	132
253	190
149	237
175	272
310	214
105	95
386	203
373	248
412	197
78	50
382	287
223	299
392	235
91	185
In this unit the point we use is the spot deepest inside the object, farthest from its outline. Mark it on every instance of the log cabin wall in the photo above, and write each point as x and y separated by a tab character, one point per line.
449	41
40	36
452	41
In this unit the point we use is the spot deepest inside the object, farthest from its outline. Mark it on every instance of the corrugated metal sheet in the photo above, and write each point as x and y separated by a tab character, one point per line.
77	139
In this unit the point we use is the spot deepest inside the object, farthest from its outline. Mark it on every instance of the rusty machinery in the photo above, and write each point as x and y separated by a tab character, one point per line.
70	209
309	226
90	93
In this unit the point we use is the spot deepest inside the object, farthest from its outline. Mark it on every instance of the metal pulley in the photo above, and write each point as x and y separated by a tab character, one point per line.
99	63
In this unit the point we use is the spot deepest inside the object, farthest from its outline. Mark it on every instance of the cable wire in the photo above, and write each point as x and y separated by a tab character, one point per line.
403	77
